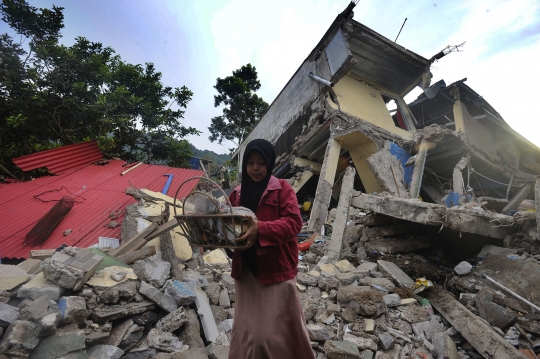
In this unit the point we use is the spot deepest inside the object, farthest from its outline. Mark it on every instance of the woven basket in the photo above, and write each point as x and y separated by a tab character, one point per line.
211	230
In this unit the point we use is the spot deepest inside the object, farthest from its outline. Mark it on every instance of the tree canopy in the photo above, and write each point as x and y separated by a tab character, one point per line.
53	95
243	108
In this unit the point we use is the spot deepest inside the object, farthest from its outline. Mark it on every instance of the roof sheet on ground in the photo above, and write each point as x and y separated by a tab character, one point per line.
98	191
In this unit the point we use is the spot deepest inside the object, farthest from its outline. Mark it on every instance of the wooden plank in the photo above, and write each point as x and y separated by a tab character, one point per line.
139	254
134	243
476	331
31	265
173	223
41	254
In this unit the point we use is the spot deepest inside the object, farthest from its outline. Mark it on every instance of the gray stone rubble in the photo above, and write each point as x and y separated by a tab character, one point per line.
365	304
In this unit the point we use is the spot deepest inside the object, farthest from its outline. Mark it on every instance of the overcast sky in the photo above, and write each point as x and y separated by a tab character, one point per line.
194	42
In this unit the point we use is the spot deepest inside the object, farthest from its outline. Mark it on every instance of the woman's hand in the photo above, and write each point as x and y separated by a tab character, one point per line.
251	235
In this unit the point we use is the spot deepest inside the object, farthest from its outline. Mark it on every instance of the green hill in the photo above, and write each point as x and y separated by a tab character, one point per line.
210	155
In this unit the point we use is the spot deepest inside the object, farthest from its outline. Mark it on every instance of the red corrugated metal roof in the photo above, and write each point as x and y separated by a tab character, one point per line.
98	190
61	159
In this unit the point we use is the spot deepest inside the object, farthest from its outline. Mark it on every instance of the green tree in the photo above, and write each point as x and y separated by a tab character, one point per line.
53	95
243	108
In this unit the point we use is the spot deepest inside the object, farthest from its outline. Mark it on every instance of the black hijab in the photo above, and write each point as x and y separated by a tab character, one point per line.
252	191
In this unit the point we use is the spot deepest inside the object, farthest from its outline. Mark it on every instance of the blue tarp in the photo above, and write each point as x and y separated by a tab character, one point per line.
194	164
403	156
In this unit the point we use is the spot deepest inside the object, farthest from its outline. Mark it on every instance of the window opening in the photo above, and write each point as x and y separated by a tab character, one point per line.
336	52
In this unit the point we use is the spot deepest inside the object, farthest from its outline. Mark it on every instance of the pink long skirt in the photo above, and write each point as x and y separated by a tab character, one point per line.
268	321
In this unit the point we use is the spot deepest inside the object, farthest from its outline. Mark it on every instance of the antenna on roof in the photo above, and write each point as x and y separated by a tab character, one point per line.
448	49
400	29
356	2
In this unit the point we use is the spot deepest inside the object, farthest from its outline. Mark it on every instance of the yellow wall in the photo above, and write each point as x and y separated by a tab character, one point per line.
366	103
360	147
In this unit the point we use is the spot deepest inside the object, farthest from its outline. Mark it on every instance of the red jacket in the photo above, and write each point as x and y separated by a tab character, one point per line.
279	222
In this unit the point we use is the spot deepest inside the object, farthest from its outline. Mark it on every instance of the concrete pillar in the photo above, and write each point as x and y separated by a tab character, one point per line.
342	215
518	198
537	204
459	185
324	187
418	171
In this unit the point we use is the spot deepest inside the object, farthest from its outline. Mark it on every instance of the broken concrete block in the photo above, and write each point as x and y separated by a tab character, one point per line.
111	288
362	300
164	341
344	266
445	348
396	273
360	342
44	312
386	340
216	258
194	279
382	282
216	351
8	314
307	279
153	270
205	314
102	351
118	331
463	268
132	336
96	334
162	300
213	291
173	320
181	292
71	267
398	245
191	353
181	246
341	350
392	300
414	314
318	332
328	283
329	269
12	276
224	300
346	278
191	334
227	281
491	250
105	313
494	314
19	339
369	266
39	286
65	341
73	309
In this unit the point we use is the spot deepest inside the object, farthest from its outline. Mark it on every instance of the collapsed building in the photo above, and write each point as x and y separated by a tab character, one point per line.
344	110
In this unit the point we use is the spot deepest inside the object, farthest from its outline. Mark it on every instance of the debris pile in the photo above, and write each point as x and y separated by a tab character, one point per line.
372	286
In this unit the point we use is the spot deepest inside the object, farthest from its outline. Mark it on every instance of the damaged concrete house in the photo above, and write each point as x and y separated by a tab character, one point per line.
341	121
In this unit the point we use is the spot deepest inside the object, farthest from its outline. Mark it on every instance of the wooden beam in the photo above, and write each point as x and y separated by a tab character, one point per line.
139	254
134	243
476	331
173	223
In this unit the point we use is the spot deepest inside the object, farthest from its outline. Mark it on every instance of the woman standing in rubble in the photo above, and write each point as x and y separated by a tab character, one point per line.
268	318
